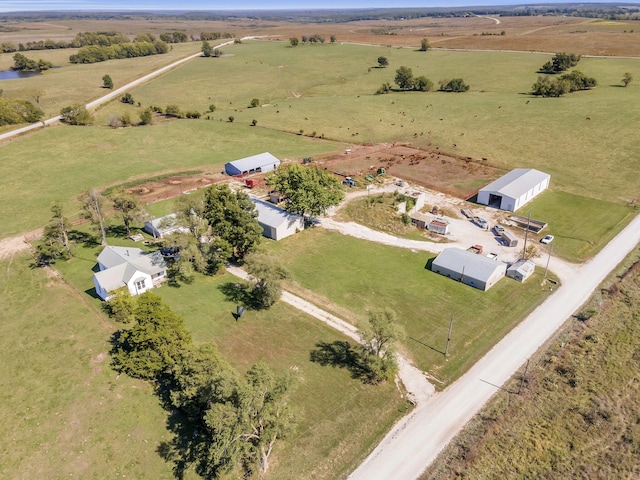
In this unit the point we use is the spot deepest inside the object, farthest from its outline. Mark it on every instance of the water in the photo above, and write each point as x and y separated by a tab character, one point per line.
13	74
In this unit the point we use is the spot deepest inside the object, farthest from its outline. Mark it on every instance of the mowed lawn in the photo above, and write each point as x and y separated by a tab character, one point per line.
581	225
357	276
65	413
335	429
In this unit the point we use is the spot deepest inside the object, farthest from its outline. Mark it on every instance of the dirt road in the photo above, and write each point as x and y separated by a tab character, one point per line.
415	441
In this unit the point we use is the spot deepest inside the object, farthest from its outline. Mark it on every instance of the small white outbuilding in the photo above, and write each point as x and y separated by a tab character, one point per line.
513	190
277	223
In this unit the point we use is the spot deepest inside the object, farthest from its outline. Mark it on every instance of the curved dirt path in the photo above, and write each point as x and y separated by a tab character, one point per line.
415	382
416	440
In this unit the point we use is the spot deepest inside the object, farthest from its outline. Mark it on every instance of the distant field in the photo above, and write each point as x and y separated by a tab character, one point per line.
69	84
335	429
350	277
586	140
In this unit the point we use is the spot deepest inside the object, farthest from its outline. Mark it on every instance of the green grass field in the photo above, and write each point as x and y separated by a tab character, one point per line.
577	415
65	412
357	276
69	84
581	225
335	425
61	162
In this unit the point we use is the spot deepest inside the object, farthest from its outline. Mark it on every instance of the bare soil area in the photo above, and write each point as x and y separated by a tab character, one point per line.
170	187
458	177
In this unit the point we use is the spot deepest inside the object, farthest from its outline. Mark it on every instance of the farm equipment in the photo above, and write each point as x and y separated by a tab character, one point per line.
349	182
251	182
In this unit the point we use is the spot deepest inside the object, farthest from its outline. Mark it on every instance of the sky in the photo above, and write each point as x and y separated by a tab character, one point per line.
123	5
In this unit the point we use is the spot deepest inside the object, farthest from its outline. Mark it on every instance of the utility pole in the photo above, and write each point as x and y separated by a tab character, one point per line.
523	377
446	350
548	258
526	232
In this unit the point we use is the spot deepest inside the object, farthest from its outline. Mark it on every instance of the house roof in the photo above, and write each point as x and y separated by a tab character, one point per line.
525	267
474	265
273	216
167	224
151	263
517	182
255	161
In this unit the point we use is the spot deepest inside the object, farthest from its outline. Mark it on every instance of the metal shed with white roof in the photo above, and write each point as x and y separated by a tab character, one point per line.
514	189
277	223
263	162
469	268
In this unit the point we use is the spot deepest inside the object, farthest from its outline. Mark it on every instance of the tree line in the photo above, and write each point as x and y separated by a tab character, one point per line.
406	81
13	112
93	54
87	39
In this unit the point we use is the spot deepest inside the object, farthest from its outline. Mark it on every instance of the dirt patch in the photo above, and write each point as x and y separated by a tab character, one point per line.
443	172
170	187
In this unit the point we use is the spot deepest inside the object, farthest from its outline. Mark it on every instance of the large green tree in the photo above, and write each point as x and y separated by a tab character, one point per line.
129	208
379	336
154	344
306	190
54	243
560	62
268	277
454	85
404	78
107	82
18	111
76	115
207	49
233	220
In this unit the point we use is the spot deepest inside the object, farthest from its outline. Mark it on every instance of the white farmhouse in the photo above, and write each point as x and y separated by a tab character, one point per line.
128	267
513	190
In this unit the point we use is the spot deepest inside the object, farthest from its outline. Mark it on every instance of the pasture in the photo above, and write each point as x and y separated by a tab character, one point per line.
329	90
64	412
334	425
59	87
350	277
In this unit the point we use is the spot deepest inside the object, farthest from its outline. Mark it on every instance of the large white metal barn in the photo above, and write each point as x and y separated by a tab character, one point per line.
263	162
513	190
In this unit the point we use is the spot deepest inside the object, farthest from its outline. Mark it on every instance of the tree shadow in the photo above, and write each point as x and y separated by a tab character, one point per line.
117	231
86	239
240	294
341	354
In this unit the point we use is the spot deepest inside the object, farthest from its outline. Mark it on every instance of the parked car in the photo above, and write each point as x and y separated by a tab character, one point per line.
481	222
547	239
498	229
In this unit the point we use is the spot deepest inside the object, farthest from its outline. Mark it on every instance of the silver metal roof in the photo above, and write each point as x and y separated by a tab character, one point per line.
255	161
273	216
475	266
517	182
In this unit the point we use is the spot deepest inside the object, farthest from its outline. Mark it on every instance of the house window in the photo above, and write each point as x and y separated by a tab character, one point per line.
140	285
